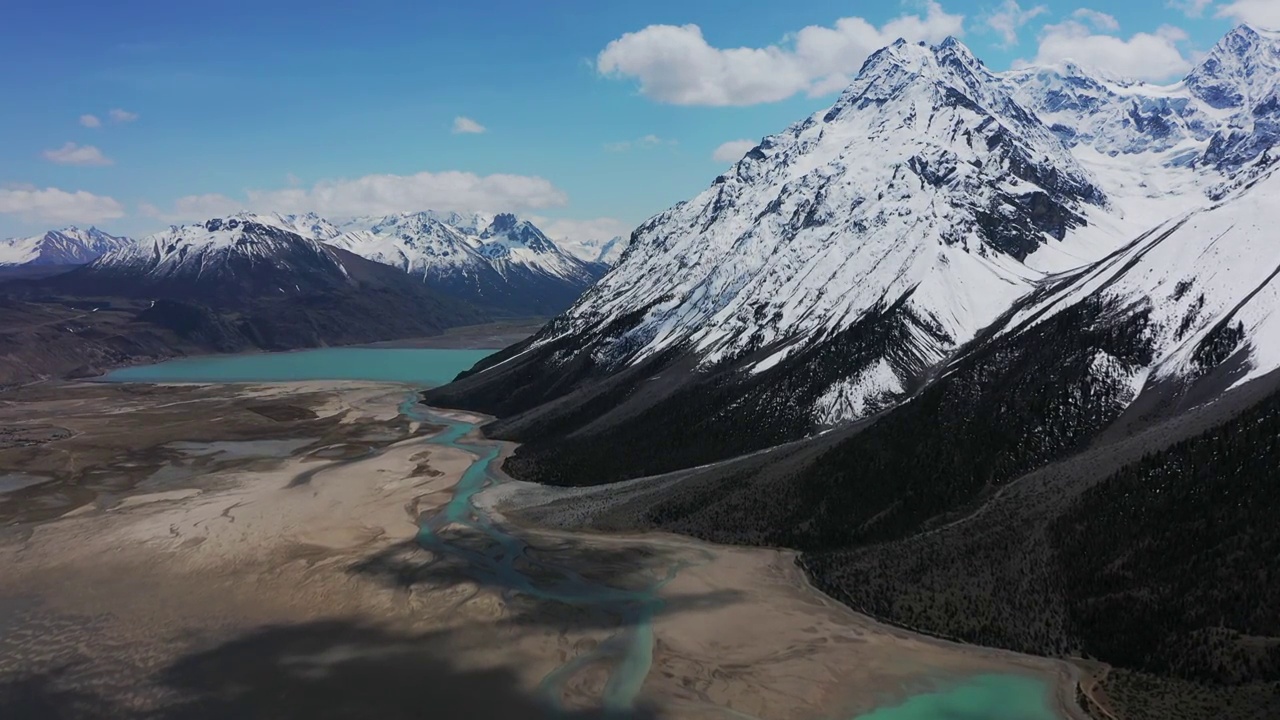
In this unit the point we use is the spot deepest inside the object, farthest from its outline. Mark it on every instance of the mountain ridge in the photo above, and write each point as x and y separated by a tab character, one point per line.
1028	474
67	246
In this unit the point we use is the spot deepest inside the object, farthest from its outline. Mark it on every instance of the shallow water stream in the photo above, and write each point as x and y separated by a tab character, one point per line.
629	652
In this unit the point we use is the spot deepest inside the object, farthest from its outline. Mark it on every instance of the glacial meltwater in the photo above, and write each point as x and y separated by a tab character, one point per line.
629	652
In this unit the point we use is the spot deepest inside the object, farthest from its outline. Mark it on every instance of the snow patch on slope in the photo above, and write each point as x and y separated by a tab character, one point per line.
1196	274
853	398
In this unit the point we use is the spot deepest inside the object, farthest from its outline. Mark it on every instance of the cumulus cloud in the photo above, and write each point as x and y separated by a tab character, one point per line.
467	126
647	141
1263	13
90	121
122	116
675	64
1084	39
52	205
73	154
1190	8
732	151
384	195
1009	18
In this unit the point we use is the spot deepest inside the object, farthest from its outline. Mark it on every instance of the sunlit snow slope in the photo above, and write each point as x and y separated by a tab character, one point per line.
840	261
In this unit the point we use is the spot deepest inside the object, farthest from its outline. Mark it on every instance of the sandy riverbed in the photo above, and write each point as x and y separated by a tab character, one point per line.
289	586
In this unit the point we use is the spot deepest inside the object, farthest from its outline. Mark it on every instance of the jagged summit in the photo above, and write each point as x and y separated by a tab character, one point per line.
1240	70
923	172
507	232
1222	115
501	262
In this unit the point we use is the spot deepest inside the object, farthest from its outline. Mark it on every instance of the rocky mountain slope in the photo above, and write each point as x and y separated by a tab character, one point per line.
1063	486
824	276
68	246
981	345
845	258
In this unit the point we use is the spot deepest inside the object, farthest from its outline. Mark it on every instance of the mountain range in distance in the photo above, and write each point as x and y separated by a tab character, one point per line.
499	262
999	353
80	301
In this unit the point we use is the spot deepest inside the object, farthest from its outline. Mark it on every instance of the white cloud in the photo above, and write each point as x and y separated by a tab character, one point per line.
52	205
147	209
72	154
1099	20
465	125
90	121
732	151
1009	18
1190	8
1143	56
647	141
122	116
1263	13
676	65
384	195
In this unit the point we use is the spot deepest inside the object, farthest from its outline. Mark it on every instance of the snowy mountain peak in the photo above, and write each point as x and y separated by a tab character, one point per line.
906	210
216	248
492	260
951	50
308	225
507	232
601	251
417	223
68	246
1241	70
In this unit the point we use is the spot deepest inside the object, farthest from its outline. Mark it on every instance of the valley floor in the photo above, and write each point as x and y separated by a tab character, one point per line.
249	551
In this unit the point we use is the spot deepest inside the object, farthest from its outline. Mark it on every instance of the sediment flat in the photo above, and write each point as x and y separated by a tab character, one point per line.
249	551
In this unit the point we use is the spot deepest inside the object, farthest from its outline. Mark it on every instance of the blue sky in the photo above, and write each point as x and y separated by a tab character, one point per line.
138	113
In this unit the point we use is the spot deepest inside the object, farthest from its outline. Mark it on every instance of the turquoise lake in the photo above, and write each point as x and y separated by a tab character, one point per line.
980	697
429	366
983	697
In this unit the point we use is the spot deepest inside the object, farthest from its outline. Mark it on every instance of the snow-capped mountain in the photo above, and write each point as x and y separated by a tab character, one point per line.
308	225
501	262
227	256
1065	419
1207	283
1224	113
68	246
604	252
233	283
839	264
924	188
